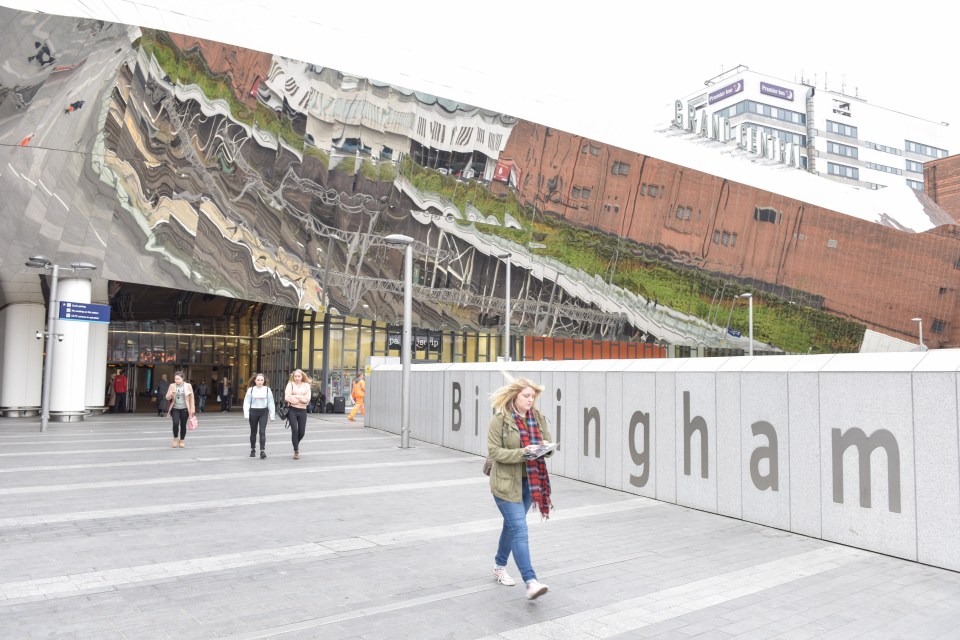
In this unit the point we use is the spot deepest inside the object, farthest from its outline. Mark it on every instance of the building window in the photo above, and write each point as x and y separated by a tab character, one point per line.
916	167
733	240
939	326
725	239
784	136
883	147
620	169
643	189
884	168
585	193
575	192
843	171
766	214
925	149
616	208
652	191
594	151
841	129
943	290
915	184
716	237
842	149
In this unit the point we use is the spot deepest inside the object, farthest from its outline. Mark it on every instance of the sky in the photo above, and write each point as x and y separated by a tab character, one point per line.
606	69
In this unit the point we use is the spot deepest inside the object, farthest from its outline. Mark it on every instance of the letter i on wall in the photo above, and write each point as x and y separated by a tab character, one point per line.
556	436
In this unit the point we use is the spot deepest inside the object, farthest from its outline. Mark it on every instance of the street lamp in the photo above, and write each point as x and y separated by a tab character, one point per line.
45	263
919	322
506	325
405	242
749	297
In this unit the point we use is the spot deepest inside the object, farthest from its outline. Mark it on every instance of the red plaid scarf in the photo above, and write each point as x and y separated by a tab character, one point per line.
537	477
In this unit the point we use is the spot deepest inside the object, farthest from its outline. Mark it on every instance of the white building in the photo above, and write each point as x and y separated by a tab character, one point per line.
828	133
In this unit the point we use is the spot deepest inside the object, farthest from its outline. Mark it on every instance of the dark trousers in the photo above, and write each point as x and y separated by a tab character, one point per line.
225	402
121	404
180	417
258	422
298	426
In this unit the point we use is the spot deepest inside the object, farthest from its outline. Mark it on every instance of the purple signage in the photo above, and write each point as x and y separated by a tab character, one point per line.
775	91
725	92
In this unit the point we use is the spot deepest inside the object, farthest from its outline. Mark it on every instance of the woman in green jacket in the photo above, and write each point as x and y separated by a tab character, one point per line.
515	481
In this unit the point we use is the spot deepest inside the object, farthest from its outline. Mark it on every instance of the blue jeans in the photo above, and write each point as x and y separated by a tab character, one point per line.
513	537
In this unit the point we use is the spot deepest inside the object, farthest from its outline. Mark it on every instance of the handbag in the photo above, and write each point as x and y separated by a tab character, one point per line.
283	410
487	465
192	422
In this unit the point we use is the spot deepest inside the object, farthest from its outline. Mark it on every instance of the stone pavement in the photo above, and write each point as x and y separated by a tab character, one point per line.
107	532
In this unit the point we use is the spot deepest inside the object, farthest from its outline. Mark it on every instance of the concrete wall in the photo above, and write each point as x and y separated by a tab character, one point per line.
860	449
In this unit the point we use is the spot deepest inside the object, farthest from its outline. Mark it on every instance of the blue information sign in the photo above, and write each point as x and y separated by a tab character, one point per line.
84	312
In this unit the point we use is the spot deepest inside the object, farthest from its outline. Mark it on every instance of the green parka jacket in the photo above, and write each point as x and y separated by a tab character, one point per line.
503	445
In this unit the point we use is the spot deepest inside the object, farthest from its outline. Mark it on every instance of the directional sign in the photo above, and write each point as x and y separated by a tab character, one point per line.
85	312
536	245
735	333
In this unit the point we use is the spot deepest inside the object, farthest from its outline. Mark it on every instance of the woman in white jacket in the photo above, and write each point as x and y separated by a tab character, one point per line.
258	406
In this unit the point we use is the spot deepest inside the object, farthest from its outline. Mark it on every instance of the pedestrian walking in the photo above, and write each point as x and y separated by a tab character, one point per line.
297	396
161	392
516	481
358	391
120	387
223	394
181	407
203	390
258	407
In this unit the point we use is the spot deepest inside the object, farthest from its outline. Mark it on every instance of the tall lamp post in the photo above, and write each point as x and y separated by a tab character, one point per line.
405	242
45	263
919	322
506	325
749	297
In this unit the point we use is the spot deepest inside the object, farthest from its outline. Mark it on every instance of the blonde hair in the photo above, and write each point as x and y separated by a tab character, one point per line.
502	399
305	378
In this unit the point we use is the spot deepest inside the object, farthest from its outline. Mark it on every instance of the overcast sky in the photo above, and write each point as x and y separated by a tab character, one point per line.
603	68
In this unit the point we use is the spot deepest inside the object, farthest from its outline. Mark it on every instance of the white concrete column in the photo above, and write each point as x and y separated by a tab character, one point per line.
21	358
97	353
68	391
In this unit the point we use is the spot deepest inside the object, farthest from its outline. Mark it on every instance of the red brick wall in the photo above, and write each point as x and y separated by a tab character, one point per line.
941	181
876	275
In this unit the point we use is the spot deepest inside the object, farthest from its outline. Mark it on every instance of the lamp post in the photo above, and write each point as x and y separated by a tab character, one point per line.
506	325
407	339
749	297
45	263
919	322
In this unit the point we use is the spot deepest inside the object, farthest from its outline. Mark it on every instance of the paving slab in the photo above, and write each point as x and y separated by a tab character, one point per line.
108	532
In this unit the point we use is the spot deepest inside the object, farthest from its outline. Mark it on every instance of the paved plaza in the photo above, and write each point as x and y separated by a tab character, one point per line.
107	532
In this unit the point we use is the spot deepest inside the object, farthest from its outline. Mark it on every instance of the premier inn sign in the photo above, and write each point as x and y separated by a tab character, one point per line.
751	139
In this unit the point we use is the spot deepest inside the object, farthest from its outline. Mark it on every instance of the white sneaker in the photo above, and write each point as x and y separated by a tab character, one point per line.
536	589
500	573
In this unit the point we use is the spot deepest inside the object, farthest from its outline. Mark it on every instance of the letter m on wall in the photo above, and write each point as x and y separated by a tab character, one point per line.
865	447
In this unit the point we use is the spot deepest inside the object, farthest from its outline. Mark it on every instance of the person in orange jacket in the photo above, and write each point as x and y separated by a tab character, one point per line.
358	391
